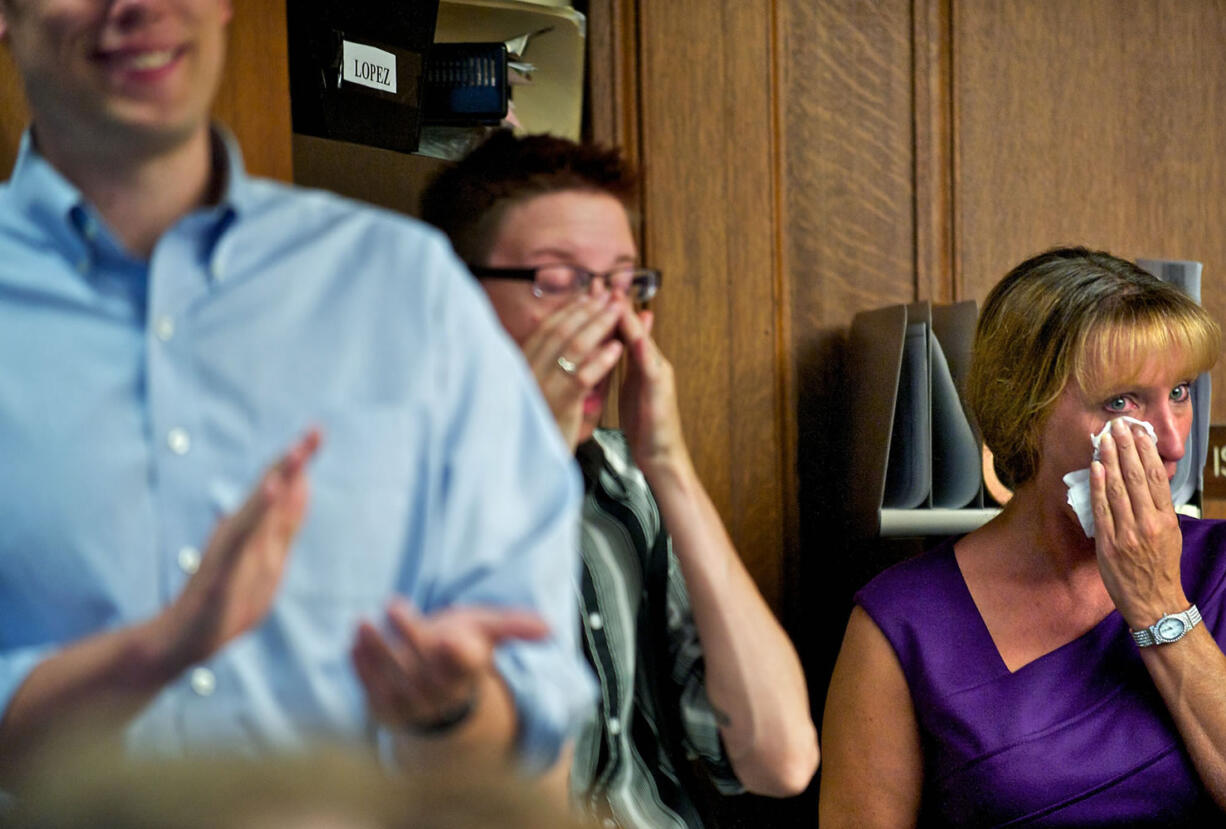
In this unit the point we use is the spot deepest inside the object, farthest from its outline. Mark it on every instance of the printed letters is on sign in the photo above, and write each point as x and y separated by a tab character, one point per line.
368	66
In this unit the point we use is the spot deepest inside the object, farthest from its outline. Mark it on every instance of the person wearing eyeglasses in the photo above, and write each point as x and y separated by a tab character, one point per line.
691	661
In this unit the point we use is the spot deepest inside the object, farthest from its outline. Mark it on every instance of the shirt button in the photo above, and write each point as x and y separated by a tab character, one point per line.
615	726
203	681
189	560
595	621
164	328
179	441
215	270
83	265
90	230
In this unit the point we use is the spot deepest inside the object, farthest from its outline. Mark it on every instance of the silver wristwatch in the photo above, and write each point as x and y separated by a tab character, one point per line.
1170	628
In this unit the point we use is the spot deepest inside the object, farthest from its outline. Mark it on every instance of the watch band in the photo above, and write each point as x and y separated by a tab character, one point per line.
447	722
1163	632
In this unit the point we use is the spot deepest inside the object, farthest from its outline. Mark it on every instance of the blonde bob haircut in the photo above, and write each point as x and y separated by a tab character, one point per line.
1080	315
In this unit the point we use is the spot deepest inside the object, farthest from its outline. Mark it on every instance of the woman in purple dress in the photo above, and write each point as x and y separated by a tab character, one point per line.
1027	674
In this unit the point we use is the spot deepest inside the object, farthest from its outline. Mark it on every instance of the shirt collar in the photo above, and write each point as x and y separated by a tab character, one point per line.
52	202
590	456
43	195
237	194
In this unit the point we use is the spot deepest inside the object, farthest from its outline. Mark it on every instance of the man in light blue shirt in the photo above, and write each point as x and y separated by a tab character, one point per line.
168	324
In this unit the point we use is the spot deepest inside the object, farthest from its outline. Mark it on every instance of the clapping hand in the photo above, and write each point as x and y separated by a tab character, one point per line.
242	565
424	673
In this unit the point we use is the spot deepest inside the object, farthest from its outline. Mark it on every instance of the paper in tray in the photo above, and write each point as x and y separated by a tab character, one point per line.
914	451
956	459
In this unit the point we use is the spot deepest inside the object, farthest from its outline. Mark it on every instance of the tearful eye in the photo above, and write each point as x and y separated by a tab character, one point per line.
1181	393
1117	404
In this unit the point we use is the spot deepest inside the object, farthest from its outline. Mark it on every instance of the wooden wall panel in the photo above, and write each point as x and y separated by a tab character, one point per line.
254	96
932	54
848	230
1100	122
847	146
13	113
611	100
848	215
253	99
709	224
848	218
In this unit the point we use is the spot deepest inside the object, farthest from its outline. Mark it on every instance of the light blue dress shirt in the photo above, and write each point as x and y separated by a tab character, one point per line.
140	400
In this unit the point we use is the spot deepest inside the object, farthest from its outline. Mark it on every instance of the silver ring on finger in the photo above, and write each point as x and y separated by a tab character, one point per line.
566	365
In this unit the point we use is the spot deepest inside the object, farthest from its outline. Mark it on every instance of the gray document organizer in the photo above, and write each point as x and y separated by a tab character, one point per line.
916	458
1189	477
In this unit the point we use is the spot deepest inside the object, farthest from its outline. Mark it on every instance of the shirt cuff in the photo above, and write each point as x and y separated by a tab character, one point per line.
553	692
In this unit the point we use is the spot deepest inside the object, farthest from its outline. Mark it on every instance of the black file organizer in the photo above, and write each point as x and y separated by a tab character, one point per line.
326	105
916	457
465	84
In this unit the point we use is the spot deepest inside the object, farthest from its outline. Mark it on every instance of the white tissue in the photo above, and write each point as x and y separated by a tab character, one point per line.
1078	481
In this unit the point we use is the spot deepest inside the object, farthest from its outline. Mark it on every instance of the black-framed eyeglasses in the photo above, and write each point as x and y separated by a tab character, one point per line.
639	284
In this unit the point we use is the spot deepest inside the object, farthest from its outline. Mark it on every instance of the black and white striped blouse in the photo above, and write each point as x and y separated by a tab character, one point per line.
639	636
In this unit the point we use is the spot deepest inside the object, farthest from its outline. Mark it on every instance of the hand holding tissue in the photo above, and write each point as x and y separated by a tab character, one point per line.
1078	481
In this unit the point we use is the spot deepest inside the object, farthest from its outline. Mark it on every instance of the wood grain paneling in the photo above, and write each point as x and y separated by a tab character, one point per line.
253	99
707	132
932	51
848	233
1097	122
13	113
612	79
847	90
848	224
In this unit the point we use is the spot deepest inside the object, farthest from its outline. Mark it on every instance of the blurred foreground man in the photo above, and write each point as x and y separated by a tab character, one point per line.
168	324
691	662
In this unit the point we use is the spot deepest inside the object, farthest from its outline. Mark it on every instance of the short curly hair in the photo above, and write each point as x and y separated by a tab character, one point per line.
1072	314
468	200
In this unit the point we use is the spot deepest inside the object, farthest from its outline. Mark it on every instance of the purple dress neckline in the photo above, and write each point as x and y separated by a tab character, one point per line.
1112	620
1076	737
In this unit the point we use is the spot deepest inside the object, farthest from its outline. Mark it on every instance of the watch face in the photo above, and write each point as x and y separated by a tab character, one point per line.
1170	628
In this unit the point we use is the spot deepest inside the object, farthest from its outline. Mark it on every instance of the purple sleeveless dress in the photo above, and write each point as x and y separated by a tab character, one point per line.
1078	737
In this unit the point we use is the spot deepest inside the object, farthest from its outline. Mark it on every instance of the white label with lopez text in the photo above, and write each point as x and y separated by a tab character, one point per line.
368	66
